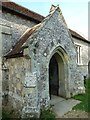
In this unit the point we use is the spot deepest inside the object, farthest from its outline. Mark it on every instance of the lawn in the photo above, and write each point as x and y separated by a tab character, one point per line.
84	98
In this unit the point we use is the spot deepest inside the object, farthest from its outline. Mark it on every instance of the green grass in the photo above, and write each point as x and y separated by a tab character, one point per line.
84	98
5	115
47	115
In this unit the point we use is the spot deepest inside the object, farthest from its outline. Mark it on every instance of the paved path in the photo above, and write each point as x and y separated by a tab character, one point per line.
61	106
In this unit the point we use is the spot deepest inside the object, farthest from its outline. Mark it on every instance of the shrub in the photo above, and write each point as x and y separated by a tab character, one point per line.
47	114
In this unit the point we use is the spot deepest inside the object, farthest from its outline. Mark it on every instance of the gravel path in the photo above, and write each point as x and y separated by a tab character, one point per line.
76	114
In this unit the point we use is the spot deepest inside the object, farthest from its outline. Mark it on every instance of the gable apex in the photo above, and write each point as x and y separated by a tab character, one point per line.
57	8
53	7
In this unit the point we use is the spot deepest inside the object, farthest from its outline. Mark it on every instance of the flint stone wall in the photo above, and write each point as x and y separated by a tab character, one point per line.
28	79
19	69
51	36
12	29
84	56
13	85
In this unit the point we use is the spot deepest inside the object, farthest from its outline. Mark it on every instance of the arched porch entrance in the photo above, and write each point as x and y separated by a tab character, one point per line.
56	76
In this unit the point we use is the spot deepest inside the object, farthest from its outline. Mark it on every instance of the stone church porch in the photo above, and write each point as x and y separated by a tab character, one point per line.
42	64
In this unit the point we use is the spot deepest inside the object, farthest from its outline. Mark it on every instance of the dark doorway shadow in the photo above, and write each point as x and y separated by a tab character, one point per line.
53	77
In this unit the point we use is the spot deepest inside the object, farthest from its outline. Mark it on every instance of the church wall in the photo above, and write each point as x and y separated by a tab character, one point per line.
28	84
52	35
16	19
15	69
84	58
13	83
10	35
13	27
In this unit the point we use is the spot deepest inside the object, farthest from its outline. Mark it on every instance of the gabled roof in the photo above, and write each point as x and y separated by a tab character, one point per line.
53	8
30	14
17	50
19	10
78	36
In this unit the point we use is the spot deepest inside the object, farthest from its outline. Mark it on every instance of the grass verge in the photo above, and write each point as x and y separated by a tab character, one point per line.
47	115
84	98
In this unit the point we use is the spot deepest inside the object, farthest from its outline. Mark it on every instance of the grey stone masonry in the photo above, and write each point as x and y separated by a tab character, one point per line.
10	35
53	37
13	27
28	76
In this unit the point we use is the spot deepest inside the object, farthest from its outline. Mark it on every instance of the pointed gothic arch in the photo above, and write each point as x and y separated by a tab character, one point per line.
58	73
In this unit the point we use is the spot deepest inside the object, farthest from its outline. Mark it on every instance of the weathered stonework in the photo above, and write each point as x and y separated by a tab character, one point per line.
12	28
27	77
17	19
10	35
84	57
16	69
51	40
